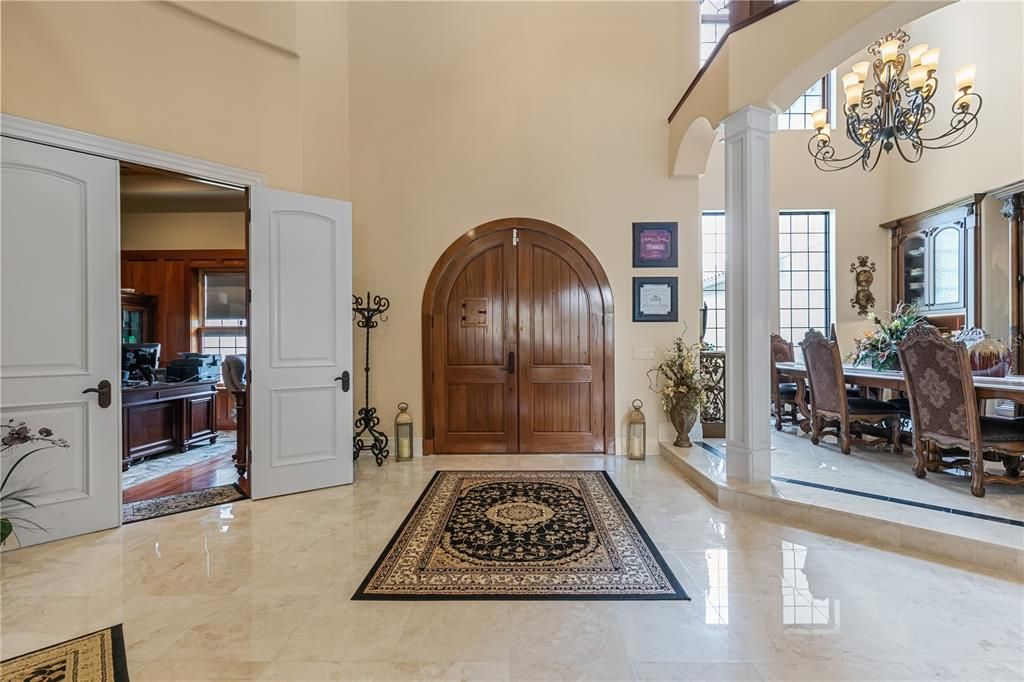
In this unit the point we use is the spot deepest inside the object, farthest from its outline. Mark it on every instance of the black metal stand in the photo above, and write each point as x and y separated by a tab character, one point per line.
367	437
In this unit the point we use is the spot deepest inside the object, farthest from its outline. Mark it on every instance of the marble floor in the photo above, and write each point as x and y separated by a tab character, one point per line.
261	590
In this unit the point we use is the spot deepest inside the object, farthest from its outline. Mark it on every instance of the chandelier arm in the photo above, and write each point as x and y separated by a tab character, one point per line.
916	146
962	126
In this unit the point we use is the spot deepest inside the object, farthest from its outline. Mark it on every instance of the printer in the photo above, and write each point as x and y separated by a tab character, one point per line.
194	367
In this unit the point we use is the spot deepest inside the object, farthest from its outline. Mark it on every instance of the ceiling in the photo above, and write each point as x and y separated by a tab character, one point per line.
146	190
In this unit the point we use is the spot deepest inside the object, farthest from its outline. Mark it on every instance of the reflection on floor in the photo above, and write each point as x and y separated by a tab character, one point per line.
262	591
197	469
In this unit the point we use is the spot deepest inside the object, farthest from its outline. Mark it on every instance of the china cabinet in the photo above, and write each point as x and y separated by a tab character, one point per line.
934	264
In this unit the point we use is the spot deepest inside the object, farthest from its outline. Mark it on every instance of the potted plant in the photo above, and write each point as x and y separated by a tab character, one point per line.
17	435
877	346
679	381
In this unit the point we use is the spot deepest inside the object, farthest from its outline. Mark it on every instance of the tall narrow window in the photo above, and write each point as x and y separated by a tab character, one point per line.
798	116
223	325
804	273
712	241
714	20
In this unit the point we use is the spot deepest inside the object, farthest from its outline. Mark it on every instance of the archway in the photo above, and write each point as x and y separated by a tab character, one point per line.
518	344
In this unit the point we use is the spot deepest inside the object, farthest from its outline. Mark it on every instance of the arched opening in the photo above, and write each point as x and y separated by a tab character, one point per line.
518	344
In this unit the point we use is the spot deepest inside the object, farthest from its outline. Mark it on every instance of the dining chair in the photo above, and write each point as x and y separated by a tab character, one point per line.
944	409
830	402
784	387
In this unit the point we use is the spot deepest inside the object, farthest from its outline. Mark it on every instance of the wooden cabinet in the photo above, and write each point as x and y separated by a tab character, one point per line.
224	406
166	417
138	315
934	264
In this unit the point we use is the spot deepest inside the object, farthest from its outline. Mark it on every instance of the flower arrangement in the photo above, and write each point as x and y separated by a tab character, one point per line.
677	378
18	433
876	347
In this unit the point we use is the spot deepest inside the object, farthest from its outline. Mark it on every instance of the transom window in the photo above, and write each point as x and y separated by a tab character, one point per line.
712	240
714	21
818	96
804	273
222	326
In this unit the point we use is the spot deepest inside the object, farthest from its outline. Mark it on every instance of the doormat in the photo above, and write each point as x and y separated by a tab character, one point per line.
183	502
521	535
96	657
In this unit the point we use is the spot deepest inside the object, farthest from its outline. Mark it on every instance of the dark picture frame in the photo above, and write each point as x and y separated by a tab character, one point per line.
647	306
655	245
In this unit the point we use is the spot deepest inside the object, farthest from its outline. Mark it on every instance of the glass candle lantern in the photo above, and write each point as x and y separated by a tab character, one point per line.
403	433
636	432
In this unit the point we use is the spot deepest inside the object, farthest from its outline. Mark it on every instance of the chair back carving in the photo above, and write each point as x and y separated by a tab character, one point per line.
782	351
938	375
825	373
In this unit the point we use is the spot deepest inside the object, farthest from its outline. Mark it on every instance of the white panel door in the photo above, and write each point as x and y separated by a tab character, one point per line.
300	274
60	334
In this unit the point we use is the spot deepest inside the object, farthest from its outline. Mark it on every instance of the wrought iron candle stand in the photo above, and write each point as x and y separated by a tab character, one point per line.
367	436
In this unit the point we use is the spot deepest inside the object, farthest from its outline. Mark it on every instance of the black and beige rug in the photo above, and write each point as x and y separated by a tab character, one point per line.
183	502
520	535
97	657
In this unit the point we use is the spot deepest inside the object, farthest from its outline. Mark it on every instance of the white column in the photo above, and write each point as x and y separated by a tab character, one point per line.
749	254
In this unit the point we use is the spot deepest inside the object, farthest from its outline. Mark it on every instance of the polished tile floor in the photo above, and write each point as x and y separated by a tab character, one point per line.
261	590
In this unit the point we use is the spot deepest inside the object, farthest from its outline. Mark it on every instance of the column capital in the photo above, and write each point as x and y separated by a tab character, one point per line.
748	118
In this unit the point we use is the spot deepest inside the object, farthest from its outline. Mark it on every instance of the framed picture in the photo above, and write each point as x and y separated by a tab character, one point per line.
655	299
655	245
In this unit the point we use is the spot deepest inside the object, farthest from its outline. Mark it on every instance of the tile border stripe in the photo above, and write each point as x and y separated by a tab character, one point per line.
718	452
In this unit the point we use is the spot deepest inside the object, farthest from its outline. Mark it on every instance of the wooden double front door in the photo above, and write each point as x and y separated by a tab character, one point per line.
519	344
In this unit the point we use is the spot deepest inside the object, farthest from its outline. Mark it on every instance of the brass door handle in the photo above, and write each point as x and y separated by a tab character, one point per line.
103	391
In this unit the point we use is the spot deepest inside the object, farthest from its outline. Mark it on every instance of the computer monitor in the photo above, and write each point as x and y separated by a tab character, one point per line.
135	355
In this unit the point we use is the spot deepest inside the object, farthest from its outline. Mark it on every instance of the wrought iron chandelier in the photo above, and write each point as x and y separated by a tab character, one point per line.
894	113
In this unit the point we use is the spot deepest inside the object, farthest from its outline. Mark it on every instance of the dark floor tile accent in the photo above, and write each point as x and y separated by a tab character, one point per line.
718	452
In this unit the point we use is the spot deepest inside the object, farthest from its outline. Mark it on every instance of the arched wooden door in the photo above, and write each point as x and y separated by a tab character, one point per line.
518	344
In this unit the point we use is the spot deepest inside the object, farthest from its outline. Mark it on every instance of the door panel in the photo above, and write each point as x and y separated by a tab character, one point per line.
301	282
60	302
561	346
473	335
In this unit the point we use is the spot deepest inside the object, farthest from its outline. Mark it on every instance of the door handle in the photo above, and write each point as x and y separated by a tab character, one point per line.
346	381
102	390
511	368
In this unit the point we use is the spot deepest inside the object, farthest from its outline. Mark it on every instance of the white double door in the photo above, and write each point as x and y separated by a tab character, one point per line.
60	338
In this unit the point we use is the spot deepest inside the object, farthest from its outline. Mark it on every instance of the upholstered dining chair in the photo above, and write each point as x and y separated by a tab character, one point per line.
784	388
832	407
944	409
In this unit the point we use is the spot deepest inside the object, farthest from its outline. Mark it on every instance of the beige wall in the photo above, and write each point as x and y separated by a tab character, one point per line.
251	85
173	231
467	112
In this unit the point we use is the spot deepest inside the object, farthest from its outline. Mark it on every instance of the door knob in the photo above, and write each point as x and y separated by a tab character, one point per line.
103	391
345	379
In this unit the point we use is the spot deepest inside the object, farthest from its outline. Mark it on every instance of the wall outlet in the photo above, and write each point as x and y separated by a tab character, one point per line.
643	353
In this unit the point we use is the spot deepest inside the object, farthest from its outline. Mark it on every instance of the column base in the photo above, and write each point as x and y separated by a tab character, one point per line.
746	465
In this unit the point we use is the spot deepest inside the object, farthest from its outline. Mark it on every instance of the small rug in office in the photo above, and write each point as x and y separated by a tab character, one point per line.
96	657
521	535
183	502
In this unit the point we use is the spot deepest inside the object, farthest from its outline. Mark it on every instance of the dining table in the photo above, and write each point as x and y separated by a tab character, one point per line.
985	387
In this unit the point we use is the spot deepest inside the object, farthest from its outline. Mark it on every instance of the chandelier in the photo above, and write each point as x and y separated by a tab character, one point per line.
894	112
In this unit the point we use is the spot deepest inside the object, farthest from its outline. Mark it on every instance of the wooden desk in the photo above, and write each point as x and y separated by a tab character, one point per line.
985	388
166	417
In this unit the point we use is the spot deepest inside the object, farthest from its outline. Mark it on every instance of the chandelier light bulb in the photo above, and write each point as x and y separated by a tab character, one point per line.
854	94
851	78
915	53
930	59
861	69
965	77
819	119
917	76
889	49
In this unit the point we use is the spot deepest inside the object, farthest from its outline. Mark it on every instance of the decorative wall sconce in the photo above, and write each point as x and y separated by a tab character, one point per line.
864	276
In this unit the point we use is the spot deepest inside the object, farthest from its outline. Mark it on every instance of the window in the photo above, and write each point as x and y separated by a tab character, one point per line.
222	328
798	116
714	20
712	240
804	273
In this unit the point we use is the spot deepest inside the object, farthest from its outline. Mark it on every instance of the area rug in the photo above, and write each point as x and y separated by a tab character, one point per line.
183	502
161	465
96	657
520	535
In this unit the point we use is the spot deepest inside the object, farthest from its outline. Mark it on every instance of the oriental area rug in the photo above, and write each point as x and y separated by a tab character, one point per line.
520	535
97	657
